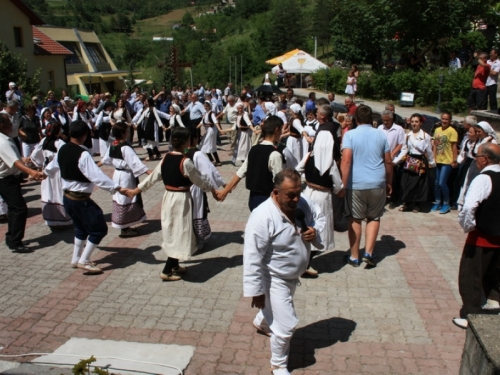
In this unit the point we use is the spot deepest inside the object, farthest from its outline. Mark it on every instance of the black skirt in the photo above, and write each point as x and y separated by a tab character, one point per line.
414	186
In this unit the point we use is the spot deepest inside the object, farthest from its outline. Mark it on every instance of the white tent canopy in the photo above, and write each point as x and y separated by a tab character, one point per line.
301	62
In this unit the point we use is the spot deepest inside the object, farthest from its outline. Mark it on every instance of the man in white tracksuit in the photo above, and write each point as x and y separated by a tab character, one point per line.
276	253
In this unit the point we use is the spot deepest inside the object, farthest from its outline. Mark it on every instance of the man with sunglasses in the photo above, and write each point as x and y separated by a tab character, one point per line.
478	272
478	93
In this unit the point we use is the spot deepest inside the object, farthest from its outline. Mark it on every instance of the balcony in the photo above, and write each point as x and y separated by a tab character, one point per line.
76	68
103	67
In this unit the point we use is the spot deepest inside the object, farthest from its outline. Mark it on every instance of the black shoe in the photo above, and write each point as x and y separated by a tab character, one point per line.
392	205
368	259
19	249
353	262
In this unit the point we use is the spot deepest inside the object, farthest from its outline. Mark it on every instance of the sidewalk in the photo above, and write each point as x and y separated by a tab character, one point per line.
375	105
392	319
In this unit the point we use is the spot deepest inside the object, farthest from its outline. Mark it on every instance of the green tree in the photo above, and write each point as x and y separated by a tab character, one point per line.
13	68
247	8
187	19
363	29
287	27
322	16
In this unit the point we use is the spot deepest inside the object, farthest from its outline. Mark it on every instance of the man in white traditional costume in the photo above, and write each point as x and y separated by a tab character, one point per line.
323	180
278	239
79	175
264	162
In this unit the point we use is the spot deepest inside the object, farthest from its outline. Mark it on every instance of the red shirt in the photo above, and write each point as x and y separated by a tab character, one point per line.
480	77
352	109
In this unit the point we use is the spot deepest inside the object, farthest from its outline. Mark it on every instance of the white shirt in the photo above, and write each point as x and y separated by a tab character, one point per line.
274	245
130	161
395	135
172	120
334	172
417	144
479	190
231	112
9	154
275	163
89	169
495	66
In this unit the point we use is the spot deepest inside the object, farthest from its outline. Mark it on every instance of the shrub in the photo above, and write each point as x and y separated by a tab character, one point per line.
425	84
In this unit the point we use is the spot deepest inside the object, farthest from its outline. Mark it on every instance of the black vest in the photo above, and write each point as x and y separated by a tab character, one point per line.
105	131
210	123
68	157
313	176
172	171
115	151
259	177
487	211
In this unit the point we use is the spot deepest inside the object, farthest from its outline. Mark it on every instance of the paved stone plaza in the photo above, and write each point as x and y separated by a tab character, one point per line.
391	319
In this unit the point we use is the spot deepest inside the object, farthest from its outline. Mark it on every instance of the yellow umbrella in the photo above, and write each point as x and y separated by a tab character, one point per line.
280	59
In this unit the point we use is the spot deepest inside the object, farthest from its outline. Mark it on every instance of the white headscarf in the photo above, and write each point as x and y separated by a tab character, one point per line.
295	108
176	108
270	108
487	129
323	151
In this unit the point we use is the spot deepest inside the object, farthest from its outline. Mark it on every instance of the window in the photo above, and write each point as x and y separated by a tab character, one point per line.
76	57
50	80
18	37
95	53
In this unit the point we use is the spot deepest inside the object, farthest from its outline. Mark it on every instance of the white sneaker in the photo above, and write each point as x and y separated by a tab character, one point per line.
89	268
491	304
280	371
462	323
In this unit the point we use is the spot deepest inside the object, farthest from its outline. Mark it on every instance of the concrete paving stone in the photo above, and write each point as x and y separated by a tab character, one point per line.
407	301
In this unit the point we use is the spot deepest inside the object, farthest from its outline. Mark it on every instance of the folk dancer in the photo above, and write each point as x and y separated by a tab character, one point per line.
79	175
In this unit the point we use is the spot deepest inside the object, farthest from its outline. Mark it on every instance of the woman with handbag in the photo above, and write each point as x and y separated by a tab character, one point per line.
417	157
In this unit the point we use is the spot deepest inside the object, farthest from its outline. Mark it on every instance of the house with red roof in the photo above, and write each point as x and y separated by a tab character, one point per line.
69	58
19	32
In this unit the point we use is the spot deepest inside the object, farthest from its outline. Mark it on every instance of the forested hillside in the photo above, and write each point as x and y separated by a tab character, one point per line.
361	31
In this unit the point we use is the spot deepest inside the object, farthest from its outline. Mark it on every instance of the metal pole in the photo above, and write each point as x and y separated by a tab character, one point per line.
229	69
241	66
236	71
315	47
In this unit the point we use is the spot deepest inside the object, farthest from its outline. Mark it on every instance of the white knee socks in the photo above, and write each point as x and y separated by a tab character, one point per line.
77	250
89	248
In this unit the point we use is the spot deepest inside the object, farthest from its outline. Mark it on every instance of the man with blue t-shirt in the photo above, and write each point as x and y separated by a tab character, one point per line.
367	175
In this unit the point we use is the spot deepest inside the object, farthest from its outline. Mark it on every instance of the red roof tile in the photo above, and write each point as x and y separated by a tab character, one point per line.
47	46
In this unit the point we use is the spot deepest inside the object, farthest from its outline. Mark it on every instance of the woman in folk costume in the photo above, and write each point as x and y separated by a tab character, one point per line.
175	121
103	125
209	141
178	174
53	211
201	225
150	121
310	126
95	133
485	134
322	179
61	116
126	212
294	142
120	113
244	128
81	113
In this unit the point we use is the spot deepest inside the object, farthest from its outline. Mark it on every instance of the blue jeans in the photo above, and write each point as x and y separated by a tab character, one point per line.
88	219
442	192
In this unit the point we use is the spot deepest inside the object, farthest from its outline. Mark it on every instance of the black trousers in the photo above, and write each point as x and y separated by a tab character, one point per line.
492	96
10	190
478	274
